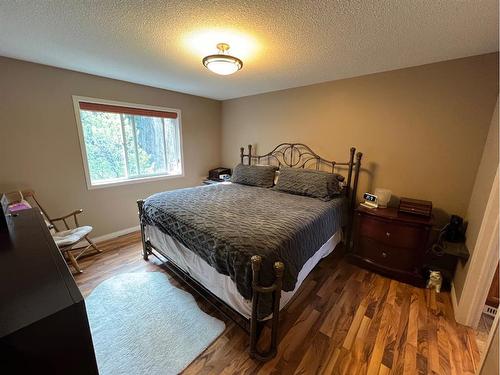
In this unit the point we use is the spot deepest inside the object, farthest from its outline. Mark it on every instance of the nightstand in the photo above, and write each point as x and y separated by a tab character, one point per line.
391	243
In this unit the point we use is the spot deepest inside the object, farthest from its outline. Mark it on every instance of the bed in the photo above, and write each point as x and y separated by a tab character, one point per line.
247	249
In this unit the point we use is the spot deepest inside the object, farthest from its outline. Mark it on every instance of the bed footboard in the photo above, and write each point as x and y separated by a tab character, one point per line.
146	248
257	291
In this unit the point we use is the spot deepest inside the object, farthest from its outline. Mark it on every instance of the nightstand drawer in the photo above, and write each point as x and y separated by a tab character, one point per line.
387	256
391	233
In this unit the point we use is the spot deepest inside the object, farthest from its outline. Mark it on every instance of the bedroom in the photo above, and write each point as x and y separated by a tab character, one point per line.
413	86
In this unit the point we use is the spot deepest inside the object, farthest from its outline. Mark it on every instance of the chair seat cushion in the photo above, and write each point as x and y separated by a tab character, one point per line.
72	236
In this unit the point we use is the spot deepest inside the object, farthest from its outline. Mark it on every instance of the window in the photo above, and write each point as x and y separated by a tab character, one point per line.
123	143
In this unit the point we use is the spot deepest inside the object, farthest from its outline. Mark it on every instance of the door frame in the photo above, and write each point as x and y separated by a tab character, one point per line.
483	264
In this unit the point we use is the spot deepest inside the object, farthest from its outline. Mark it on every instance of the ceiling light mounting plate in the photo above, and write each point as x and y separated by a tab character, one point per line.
223	47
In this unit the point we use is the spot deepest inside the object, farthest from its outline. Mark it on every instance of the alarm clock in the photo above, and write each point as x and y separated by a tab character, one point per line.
371	200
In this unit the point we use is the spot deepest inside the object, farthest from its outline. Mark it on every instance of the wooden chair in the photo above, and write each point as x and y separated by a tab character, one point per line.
68	238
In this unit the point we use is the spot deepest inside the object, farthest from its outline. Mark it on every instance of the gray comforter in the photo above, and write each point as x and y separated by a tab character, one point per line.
226	224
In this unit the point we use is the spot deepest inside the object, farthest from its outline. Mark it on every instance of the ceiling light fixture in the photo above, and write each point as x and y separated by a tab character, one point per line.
222	63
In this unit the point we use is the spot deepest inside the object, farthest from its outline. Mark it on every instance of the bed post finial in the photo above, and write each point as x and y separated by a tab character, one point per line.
242	151
279	268
249	154
256	262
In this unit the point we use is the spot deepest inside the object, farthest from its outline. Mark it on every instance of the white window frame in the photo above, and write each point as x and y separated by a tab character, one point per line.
125	181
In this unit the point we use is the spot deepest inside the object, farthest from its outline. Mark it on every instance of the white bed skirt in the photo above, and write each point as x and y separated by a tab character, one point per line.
221	285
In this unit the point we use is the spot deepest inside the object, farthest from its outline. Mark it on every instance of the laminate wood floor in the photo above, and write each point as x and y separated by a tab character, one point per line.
344	320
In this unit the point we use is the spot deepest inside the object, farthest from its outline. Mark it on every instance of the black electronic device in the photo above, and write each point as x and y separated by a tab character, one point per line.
455	229
371	200
219	174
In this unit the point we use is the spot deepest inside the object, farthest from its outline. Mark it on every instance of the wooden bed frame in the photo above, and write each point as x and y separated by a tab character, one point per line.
295	155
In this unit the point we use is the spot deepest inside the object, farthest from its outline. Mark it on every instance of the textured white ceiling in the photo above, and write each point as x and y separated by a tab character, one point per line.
282	43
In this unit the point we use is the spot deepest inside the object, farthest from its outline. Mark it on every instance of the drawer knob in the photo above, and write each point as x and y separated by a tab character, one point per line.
387	234
384	254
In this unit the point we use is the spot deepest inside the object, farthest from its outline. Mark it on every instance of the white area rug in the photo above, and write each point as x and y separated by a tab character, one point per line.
142	324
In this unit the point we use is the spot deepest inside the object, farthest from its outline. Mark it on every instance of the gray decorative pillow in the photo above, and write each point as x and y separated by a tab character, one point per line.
255	175
309	182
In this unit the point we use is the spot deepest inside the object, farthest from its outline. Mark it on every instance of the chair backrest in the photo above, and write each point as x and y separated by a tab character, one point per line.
30	197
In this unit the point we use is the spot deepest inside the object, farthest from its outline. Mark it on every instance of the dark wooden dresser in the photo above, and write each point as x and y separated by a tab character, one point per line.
43	321
391	243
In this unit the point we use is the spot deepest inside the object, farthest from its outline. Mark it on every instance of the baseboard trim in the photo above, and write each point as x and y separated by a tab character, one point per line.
109	236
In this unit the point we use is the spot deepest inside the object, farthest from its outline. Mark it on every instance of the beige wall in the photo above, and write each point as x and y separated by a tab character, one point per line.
39	146
479	198
421	129
428	125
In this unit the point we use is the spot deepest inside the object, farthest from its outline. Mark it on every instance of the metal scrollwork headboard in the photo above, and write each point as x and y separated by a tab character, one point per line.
295	155
299	155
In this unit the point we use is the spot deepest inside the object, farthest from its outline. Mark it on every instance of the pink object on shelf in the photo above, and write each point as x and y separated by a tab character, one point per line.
19	207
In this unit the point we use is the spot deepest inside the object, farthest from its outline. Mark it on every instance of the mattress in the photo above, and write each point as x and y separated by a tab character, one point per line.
222	285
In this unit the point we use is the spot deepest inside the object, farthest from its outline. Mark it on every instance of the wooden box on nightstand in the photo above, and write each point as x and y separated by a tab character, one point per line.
391	243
